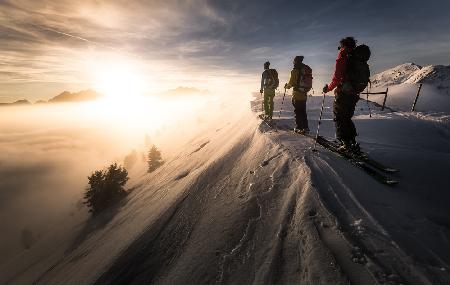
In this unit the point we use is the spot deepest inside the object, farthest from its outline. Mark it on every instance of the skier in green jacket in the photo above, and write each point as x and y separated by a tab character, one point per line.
269	82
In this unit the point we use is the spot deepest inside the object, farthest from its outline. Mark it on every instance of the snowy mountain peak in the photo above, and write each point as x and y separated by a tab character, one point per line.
436	75
410	73
395	75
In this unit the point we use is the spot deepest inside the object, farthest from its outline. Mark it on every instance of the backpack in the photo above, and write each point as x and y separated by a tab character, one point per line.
358	72
273	80
305	78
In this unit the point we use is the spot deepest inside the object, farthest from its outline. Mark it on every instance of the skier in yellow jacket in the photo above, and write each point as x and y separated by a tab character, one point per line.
299	95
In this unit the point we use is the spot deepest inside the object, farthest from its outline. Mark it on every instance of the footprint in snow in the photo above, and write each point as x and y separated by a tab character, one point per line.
266	162
182	175
200	147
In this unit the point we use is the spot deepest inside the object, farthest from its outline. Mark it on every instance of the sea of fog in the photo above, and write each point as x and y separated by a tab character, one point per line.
47	152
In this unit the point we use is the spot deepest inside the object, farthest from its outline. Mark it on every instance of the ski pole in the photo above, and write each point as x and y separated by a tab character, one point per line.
367	100
262	103
320	121
282	101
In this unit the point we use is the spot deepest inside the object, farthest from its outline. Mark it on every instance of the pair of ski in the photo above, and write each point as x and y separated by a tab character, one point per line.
269	122
361	160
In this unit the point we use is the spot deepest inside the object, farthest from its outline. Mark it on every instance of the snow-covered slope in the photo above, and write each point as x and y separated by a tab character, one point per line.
230	206
395	75
241	203
435	75
403	82
410	73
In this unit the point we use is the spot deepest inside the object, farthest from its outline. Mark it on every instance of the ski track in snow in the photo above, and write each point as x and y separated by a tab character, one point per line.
239	247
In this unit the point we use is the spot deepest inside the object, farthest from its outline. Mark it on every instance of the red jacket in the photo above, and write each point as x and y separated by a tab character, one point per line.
339	70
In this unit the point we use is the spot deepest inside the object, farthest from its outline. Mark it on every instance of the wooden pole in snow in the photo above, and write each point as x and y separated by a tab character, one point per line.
385	96
417	97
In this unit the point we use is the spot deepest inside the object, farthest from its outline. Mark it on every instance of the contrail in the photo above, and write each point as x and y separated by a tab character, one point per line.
69	35
76	37
123	52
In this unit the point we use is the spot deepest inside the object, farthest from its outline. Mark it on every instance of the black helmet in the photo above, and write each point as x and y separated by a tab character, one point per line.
298	59
349	42
266	65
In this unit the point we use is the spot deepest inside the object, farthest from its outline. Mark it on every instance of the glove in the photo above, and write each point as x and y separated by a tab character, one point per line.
325	88
260	91
286	86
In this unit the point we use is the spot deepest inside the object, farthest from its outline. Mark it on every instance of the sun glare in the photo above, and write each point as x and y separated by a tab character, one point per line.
127	102
124	88
119	83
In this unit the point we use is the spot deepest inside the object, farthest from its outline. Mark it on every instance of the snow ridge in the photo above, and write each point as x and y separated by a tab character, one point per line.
437	75
395	75
411	73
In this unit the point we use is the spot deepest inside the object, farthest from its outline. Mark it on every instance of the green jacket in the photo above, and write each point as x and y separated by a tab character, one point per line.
297	95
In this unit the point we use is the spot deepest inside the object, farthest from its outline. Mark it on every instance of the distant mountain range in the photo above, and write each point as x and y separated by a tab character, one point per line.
18	102
410	73
90	95
182	90
66	96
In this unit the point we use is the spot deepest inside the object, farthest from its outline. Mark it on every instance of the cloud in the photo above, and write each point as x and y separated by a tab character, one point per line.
46	154
47	41
48	150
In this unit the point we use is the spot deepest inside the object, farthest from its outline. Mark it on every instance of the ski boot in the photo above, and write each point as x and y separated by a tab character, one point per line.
355	148
350	146
345	146
301	131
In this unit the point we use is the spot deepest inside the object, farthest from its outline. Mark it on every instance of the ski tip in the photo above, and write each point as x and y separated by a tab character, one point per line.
391	182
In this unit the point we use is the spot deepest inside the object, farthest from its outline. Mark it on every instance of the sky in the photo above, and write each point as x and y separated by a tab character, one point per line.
51	46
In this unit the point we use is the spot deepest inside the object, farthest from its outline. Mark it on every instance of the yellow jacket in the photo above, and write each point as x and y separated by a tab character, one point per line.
297	95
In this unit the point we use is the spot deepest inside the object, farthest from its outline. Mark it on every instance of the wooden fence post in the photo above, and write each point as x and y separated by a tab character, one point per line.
417	97
384	101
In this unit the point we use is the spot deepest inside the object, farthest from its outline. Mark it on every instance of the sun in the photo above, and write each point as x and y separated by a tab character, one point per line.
124	88
119	83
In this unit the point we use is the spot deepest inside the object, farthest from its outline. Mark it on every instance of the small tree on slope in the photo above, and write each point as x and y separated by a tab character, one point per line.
105	187
154	159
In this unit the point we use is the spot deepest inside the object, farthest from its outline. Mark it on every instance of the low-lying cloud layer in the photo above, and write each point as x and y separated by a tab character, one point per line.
46	154
48	150
43	175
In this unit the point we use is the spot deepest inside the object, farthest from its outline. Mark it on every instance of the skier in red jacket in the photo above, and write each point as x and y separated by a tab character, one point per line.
345	100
